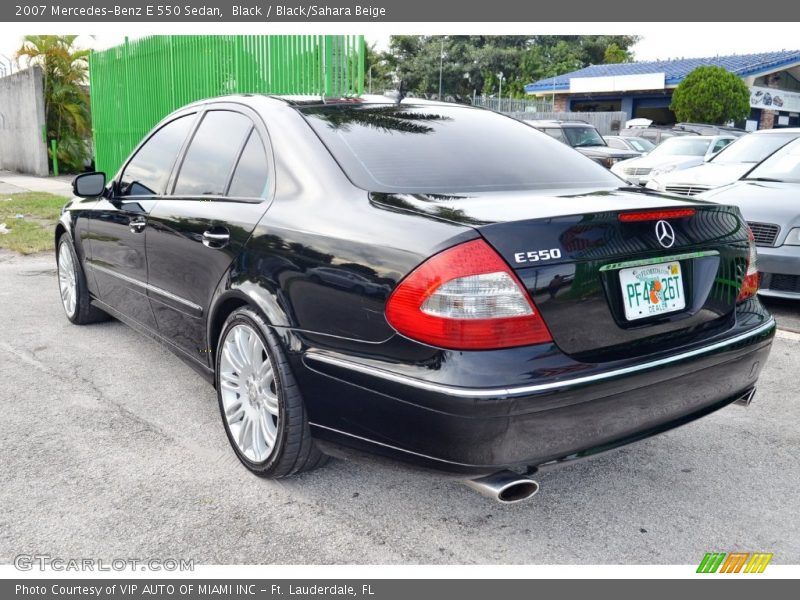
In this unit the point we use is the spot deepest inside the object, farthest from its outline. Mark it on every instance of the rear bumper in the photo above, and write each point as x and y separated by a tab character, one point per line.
485	429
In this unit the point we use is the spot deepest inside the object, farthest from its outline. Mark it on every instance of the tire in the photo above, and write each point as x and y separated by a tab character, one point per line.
260	403
72	286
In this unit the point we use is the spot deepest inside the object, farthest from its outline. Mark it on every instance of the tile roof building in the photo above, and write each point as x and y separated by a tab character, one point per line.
644	89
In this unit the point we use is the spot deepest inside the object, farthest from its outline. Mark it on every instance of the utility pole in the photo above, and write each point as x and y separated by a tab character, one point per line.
500	76
441	66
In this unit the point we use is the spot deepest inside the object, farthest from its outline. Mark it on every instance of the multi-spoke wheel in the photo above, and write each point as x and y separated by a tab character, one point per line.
261	407
67	279
72	286
248	392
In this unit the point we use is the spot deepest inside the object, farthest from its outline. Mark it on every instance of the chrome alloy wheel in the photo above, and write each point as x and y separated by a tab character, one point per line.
249	393
67	280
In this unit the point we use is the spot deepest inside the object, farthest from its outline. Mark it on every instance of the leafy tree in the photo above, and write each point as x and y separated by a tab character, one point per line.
66	97
614	54
377	71
471	64
710	94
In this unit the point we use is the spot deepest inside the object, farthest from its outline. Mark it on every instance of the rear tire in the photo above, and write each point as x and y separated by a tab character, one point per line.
261	406
72	286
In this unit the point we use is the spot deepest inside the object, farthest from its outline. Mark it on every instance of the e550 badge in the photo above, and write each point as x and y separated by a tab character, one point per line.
537	255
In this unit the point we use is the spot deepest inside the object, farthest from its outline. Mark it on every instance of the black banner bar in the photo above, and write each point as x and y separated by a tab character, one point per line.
443	11
730	588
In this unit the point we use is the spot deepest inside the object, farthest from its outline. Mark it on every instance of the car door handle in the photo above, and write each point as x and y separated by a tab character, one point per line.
137	224
217	237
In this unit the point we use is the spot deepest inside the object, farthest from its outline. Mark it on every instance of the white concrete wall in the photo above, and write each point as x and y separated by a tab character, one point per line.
22	121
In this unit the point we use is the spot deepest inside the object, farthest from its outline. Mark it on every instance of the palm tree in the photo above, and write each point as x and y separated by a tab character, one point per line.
66	97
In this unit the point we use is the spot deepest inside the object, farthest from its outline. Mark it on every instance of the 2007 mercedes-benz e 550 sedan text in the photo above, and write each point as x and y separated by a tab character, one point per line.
436	282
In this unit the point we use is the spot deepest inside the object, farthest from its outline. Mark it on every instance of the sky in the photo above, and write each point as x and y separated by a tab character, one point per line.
659	41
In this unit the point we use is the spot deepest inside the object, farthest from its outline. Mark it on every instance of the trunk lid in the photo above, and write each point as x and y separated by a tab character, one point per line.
581	264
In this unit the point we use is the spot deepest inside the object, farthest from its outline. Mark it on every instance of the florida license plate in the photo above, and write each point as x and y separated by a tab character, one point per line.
652	290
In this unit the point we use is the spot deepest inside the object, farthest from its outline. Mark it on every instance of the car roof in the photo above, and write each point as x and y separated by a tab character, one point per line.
558	122
788	130
318	100
706	137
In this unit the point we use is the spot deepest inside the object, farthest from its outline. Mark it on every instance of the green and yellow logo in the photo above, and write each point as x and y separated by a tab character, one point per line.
734	562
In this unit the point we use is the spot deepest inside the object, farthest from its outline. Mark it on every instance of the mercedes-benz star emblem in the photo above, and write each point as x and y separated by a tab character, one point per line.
665	234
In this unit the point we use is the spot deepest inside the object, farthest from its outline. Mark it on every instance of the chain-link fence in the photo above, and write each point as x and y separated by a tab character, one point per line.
509	105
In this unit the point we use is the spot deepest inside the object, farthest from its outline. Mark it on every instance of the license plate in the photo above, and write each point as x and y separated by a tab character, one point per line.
652	290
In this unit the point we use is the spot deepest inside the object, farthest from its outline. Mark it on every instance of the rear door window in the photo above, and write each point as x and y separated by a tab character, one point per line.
252	172
212	153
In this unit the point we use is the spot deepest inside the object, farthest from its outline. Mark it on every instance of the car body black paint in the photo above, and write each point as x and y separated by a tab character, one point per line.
318	257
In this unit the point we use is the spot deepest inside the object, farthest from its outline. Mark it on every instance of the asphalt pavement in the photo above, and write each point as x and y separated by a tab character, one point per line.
111	447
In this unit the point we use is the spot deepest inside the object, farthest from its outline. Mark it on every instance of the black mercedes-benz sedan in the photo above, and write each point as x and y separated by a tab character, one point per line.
431	281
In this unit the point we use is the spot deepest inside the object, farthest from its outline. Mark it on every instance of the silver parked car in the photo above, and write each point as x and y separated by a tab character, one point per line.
671	155
768	198
636	144
725	167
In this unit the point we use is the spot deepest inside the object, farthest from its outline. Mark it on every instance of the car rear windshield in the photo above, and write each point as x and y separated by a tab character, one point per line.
418	148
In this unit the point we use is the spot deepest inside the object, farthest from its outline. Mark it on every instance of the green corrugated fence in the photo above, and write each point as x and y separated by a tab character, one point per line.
135	85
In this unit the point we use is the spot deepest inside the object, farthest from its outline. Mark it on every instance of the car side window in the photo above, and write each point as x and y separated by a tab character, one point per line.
719	145
555	132
252	172
212	153
148	171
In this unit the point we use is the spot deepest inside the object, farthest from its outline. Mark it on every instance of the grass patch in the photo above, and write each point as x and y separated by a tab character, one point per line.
35	230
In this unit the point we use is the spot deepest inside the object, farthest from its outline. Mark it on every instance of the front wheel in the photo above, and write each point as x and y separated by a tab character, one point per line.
261	406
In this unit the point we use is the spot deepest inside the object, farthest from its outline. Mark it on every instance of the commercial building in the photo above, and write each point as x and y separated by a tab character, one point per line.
644	89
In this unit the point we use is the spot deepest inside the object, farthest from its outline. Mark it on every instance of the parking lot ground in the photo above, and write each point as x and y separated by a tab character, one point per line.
111	447
786	312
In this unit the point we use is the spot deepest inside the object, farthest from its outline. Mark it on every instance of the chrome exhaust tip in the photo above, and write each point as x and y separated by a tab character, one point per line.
746	398
506	487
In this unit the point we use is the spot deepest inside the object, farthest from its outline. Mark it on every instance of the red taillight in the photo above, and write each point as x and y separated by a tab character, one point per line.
751	278
466	298
656	215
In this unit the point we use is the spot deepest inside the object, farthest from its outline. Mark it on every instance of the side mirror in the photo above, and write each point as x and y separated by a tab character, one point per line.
89	185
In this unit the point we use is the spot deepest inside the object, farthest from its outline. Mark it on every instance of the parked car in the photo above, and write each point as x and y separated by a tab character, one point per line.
725	167
534	309
654	134
671	155
706	129
644	128
767	197
635	144
585	139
